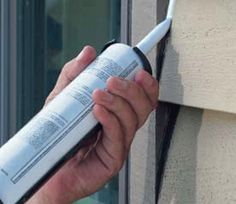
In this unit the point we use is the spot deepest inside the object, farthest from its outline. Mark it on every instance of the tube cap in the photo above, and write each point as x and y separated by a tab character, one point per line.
146	64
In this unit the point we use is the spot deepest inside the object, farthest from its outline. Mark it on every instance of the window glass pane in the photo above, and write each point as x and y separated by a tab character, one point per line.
50	33
73	24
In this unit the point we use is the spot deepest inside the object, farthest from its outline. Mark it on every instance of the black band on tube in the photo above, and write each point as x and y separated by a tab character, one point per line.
108	44
1	202
146	64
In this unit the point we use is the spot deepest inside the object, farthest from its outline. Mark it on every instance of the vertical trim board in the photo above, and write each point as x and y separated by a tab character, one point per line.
142	159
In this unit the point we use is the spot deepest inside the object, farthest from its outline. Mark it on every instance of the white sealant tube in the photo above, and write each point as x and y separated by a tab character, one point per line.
57	128
55	133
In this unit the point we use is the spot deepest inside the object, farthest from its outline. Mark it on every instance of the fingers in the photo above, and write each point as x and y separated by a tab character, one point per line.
129	102
111	148
121	109
136	95
150	86
72	69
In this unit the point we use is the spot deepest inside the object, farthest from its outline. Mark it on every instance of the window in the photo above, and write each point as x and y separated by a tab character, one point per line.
51	33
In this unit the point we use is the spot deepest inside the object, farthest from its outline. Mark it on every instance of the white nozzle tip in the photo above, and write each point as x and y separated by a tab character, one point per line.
170	11
154	36
158	32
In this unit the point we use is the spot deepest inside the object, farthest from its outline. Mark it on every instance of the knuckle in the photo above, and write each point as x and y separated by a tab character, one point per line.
111	83
51	96
119	105
66	65
153	86
135	91
65	70
47	101
136	88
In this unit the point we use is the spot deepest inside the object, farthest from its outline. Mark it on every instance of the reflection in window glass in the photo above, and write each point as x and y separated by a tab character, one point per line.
73	24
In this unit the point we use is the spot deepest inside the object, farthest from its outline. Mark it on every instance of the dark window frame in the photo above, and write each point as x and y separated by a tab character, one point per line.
7	69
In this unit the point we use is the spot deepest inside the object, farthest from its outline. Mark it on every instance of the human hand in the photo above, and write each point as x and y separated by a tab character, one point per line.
121	110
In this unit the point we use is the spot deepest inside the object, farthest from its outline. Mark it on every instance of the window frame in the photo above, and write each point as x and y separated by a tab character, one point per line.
3	84
125	36
8	71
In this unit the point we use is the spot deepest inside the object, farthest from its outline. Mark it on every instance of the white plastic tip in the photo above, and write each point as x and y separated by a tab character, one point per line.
154	36
170	11
158	32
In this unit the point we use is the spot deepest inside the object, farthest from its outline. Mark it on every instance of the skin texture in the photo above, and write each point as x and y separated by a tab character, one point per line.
122	109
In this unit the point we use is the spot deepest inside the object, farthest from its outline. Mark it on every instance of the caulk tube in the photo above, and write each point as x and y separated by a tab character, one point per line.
60	126
55	133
